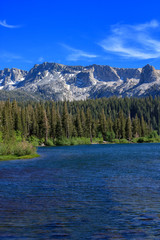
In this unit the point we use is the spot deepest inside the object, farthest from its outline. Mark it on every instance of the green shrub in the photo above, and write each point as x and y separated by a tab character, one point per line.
49	143
72	141
143	140
134	140
98	140
1	137
34	140
123	140
18	136
6	149
116	140
24	148
153	134
62	142
110	136
18	149
41	141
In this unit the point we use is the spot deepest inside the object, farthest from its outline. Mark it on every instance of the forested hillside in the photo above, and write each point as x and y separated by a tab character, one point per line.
107	118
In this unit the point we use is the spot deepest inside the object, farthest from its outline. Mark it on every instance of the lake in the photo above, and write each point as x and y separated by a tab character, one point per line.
82	192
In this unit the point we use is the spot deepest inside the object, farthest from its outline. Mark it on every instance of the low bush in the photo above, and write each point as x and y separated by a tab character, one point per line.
80	141
18	149
116	140
49	143
98	140
143	140
34	141
123	140
72	141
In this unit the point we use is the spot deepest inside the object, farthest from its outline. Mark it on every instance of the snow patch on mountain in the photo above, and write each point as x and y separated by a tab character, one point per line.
61	82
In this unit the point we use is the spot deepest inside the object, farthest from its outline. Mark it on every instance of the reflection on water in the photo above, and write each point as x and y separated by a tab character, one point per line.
82	192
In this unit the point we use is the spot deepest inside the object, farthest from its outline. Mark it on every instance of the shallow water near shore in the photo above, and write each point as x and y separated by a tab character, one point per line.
82	192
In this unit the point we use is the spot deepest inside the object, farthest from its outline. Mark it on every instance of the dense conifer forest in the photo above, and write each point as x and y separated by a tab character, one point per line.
106	119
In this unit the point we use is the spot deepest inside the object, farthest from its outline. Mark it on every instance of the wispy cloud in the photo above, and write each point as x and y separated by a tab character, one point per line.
10	57
77	54
7	56
4	24
41	59
133	41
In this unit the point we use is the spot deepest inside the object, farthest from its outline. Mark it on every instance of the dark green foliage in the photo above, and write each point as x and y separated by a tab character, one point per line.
108	119
128	128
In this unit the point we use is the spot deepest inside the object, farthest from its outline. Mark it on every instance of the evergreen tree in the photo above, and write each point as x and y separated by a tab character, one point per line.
58	126
129	128
53	121
65	121
121	124
136	127
103	125
78	124
83	122
89	124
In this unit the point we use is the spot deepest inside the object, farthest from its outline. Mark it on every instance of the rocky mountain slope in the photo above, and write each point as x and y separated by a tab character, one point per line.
60	82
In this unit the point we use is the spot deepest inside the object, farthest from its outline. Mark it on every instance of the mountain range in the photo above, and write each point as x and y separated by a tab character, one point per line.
61	82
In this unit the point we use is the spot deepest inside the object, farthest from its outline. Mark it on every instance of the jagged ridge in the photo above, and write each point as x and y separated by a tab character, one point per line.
60	82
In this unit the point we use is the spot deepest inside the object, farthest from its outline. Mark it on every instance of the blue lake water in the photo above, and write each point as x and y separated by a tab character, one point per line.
82	192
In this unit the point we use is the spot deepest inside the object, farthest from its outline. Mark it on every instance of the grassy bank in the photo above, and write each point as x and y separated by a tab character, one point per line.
13	157
83	141
17	150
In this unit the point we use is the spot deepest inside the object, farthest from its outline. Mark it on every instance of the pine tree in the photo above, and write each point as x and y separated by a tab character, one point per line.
78	124
45	125
65	121
89	124
143	127
23	120
103	125
53	121
121	125
58	125
83	123
7	121
129	128
135	127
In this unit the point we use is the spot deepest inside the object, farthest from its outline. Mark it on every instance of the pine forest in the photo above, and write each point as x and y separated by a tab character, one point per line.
80	122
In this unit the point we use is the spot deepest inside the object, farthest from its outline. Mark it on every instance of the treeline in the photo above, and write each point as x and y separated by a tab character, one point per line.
107	118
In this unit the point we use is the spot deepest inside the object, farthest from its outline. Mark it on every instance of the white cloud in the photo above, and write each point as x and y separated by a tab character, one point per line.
77	54
41	59
10	57
133	41
144	26
4	24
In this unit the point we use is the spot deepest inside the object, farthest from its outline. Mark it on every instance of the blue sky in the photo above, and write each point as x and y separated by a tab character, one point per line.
117	33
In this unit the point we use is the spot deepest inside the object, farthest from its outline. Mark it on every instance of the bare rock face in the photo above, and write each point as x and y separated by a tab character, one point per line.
148	74
61	82
128	73
10	77
105	73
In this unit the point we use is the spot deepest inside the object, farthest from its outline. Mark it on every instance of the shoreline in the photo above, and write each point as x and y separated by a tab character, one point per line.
14	157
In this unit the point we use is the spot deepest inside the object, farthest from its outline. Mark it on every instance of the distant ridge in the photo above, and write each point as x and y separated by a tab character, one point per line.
61	82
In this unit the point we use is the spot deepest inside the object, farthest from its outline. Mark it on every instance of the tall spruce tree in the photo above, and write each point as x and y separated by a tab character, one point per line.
66	121
103	125
58	125
89	124
129	128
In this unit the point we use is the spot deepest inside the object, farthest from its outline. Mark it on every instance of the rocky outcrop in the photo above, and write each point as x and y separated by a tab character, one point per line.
60	82
10	77
148	74
105	73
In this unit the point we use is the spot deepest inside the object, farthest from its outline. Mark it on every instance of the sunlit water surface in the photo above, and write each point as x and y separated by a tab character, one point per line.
82	192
